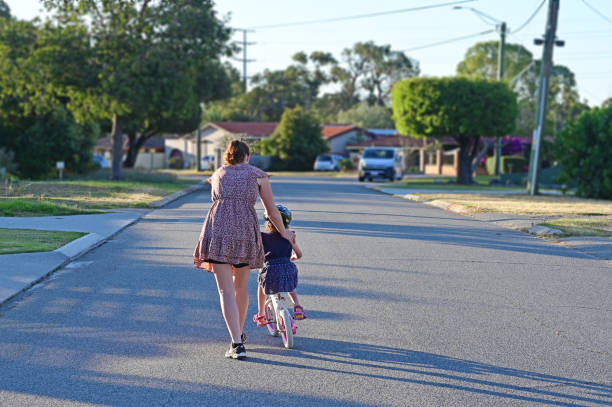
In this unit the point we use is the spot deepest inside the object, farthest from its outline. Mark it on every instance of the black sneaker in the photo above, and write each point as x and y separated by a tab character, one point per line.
236	351
243	338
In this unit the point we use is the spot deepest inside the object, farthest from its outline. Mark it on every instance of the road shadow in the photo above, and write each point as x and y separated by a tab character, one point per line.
434	370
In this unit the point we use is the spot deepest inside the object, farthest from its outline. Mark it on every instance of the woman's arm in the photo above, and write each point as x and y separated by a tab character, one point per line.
265	192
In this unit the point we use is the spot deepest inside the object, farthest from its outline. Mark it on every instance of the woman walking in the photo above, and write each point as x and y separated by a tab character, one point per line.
230	242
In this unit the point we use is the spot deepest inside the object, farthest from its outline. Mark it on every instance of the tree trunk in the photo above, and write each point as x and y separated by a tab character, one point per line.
134	145
117	147
468	148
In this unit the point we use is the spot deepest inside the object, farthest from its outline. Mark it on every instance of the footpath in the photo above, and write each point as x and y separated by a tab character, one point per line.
18	272
597	246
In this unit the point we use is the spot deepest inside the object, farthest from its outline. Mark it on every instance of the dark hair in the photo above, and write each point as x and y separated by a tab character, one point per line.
236	152
271	228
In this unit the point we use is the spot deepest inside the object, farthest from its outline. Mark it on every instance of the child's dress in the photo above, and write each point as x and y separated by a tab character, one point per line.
279	273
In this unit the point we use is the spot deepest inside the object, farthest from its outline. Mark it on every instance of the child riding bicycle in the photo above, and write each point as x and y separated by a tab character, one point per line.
279	273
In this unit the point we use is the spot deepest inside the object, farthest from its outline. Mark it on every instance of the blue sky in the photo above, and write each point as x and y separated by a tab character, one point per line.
588	36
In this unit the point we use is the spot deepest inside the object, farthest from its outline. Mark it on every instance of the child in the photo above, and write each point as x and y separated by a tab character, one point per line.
279	273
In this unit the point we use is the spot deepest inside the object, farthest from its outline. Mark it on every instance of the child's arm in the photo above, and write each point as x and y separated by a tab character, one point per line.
297	253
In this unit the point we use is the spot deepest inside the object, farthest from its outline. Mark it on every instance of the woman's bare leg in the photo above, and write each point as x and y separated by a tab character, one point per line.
227	297
241	284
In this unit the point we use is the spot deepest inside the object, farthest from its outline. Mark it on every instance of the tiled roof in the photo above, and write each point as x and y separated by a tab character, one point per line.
333	130
253	129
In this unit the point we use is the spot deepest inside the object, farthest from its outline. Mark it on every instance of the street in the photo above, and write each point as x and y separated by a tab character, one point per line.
408	305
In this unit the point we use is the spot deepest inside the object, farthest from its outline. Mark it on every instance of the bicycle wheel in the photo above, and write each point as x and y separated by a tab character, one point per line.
286	327
272	328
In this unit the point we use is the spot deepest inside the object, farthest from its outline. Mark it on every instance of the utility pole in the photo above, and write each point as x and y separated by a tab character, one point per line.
500	76
244	58
549	42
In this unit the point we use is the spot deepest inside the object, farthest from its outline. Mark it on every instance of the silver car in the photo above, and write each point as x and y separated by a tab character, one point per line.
327	162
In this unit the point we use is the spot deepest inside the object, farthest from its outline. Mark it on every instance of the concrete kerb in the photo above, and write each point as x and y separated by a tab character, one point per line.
173	197
81	246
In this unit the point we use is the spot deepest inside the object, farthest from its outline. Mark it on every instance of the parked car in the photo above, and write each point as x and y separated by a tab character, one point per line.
327	162
383	162
98	158
207	162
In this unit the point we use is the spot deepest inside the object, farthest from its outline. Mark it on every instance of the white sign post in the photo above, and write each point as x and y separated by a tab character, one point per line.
60	167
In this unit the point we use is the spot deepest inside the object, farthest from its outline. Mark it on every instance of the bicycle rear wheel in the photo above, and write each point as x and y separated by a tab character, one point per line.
286	328
272	326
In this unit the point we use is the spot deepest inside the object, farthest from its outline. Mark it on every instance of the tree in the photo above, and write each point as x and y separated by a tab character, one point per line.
5	10
461	108
296	141
607	102
481	62
367	116
36	126
371	69
584	149
134	62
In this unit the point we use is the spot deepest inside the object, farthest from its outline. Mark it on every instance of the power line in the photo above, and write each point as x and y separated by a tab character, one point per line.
435	44
599	13
530	18
358	16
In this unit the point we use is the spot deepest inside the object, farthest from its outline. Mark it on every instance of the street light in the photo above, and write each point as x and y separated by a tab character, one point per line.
500	26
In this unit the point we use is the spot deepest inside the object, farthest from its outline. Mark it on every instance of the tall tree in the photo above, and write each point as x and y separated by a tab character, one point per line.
480	61
133	61
5	10
367	117
461	108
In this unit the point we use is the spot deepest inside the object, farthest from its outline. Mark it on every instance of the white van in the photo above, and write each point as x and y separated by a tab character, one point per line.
381	162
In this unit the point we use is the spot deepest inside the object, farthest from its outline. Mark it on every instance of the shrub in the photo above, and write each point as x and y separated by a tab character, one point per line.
509	164
296	142
346	164
584	149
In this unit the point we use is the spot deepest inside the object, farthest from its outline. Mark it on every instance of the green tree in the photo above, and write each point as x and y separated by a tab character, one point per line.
5	10
607	102
367	116
461	108
36	126
481	62
139	63
584	148
296	142
371	70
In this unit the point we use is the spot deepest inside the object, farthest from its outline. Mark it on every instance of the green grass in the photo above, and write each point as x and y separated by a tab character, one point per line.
589	226
83	195
28	240
33	207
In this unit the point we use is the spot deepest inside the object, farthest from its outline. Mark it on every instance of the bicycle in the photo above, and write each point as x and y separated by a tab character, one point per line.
279	318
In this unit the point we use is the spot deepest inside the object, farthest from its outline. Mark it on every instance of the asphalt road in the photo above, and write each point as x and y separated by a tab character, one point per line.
408	305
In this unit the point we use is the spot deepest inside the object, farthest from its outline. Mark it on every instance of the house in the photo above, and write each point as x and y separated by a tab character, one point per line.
215	135
338	136
150	156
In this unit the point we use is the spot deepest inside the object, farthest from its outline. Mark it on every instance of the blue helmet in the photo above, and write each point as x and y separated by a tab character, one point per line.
285	214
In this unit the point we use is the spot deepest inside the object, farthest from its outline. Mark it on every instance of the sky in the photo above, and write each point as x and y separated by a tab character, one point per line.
587	35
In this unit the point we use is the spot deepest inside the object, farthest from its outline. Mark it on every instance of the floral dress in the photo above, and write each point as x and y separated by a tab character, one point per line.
230	233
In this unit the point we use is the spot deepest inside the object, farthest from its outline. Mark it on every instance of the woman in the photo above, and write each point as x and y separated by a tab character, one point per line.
230	242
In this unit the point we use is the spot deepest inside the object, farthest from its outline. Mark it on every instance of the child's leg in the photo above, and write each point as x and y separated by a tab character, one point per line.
261	301
298	310
294	298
